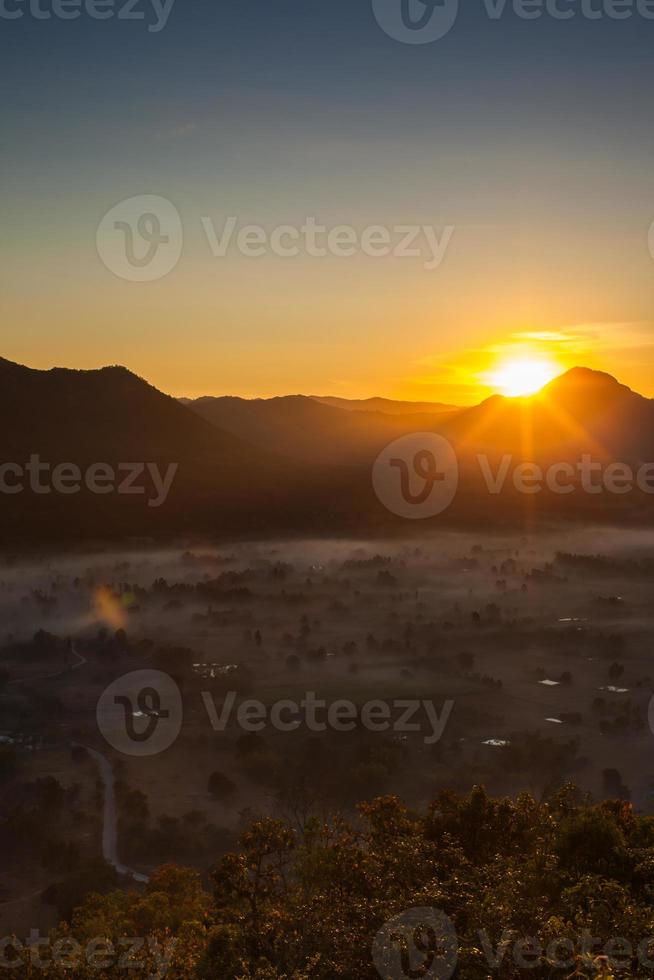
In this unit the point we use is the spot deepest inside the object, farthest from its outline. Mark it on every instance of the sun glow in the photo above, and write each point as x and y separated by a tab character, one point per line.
523	376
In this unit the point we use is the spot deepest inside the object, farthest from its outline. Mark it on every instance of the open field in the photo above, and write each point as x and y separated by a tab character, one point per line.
472	625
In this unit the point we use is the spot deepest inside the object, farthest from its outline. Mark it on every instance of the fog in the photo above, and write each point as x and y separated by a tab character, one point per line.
466	628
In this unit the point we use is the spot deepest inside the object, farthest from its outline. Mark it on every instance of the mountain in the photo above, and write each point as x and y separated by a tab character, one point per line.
290	465
582	414
92	411
581	411
110	416
385	405
305	429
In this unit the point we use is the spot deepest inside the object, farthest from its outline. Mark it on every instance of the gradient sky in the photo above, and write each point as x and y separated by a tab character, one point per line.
532	138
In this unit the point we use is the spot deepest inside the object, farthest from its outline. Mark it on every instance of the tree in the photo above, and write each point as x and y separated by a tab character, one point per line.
220	786
312	903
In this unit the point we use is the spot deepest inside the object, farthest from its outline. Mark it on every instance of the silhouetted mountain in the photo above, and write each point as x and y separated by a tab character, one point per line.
303	428
109	410
386	405
294	464
581	411
111	416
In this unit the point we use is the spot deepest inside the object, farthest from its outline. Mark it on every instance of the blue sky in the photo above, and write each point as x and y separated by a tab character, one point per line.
532	138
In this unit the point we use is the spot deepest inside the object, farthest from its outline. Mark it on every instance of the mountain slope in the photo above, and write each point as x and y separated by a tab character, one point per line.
294	465
582	411
304	429
386	405
111	416
109	410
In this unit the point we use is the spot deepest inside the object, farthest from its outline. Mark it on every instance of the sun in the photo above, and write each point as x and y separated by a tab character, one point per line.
523	376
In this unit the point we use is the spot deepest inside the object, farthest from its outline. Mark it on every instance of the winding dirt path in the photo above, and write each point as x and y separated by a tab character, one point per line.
110	817
44	677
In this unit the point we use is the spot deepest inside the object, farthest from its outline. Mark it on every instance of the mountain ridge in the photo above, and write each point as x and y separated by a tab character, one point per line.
292	464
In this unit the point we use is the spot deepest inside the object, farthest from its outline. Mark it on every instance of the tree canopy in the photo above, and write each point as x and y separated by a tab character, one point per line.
555	888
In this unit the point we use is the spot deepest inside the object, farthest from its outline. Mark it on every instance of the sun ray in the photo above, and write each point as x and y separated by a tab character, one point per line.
523	376
574	428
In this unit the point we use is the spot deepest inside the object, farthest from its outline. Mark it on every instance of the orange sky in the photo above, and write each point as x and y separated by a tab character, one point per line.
350	368
515	135
354	327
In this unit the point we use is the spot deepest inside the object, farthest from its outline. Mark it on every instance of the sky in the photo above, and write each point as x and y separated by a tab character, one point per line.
523	146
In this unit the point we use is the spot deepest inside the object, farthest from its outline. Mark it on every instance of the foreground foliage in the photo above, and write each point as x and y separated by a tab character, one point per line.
531	888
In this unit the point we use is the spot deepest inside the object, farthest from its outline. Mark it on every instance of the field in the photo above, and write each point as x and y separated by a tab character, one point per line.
533	652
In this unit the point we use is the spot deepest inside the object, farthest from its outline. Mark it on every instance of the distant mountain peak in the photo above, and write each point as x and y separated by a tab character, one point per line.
578	376
7	365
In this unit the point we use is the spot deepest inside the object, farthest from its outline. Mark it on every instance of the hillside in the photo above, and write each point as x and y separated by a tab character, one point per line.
304	429
112	417
294	464
580	411
388	406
